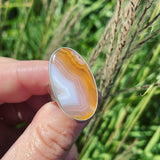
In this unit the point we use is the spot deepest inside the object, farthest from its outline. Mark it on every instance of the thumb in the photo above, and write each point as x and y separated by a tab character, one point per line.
50	136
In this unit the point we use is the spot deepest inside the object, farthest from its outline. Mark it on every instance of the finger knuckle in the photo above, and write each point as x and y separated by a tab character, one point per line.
63	137
43	148
55	142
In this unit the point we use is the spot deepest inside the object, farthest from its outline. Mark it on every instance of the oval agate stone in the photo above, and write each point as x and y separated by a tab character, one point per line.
72	84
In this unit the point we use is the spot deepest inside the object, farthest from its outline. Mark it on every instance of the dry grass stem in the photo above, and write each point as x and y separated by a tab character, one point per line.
0	10
71	23
112	38
151	22
22	28
128	151
137	30
67	22
119	33
100	45
45	5
145	40
98	73
113	63
48	21
139	88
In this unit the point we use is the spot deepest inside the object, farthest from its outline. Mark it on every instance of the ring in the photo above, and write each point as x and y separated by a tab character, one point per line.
72	84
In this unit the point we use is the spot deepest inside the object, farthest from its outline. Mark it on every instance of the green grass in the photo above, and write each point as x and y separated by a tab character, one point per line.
127	126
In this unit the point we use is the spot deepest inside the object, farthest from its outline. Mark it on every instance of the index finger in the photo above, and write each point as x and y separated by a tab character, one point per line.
21	79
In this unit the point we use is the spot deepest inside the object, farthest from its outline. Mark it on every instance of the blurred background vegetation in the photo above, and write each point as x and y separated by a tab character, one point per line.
125	59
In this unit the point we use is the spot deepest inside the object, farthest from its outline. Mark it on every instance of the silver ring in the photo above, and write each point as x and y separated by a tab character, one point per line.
72	84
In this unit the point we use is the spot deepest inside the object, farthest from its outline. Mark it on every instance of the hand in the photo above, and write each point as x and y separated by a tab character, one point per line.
23	92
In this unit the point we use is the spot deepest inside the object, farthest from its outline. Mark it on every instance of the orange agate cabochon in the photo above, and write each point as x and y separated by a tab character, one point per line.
73	84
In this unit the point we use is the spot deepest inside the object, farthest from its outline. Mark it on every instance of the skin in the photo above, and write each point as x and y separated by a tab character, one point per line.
47	132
